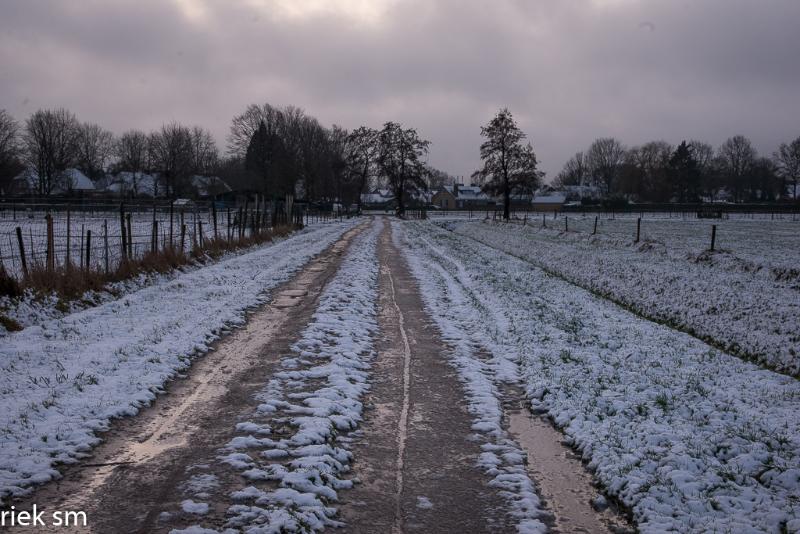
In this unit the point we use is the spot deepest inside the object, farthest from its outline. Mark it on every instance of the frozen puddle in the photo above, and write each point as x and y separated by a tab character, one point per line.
561	478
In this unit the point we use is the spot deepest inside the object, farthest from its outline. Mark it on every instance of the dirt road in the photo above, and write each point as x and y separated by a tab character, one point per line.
415	454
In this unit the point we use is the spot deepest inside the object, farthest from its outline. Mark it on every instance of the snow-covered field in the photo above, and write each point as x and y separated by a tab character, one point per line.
745	299
63	379
690	438
299	431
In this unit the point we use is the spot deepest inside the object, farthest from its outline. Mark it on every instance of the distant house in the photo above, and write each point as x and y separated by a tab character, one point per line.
68	181
378	199
133	184
209	186
548	202
461	197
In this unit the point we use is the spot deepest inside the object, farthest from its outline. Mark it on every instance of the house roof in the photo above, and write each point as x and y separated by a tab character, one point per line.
550	198
73	179
209	185
123	182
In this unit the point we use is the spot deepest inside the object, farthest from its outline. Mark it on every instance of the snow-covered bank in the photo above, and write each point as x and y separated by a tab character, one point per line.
691	439
484	364
63	380
747	308
294	450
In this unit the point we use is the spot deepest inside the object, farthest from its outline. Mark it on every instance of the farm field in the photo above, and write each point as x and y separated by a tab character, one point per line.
369	375
744	298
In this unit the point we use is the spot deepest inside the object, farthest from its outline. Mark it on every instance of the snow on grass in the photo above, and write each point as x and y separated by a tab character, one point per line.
688	437
484	365
63	380
293	459
747	308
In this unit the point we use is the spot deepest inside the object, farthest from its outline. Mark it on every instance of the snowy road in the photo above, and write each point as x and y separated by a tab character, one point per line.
389	384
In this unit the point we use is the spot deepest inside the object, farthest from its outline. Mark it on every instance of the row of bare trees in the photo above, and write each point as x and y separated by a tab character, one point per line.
659	172
51	141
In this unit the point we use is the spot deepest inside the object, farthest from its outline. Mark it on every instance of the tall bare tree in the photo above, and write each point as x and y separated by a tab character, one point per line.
574	172
509	167
95	146
737	157
51	146
172	157
787	158
10	149
604	159
400	160
205	155
131	151
361	158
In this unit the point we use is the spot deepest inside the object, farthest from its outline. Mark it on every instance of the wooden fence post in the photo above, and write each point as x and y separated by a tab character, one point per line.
171	212
105	244
154	247
544	221
595	225
122	231
566	223
713	236
88	250
214	217
23	261
80	249
130	235
50	248
200	231
183	237
69	238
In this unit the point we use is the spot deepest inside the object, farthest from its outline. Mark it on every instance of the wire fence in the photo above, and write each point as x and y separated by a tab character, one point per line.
102	237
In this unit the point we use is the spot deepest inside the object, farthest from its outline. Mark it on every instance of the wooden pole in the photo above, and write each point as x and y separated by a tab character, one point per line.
130	235
88	250
154	248
200	231
122	231
69	237
713	236
105	244
22	259
595	225
50	247
80	257
183	237
171	212
566	224
214	218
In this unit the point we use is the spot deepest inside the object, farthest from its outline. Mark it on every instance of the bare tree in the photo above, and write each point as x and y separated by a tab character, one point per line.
574	172
650	163
362	157
737	157
95	146
172	156
787	158
509	167
132	155
51	146
10	150
205	155
604	159
400	154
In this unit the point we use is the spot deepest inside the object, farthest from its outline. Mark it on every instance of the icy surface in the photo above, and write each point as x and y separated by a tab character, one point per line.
62	380
690	438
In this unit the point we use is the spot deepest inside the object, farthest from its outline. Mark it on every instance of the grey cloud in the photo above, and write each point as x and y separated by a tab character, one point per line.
570	71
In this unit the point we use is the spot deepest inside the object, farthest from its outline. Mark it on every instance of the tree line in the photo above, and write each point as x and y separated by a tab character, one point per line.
272	151
692	171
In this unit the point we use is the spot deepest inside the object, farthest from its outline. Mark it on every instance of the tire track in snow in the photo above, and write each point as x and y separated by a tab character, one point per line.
402	427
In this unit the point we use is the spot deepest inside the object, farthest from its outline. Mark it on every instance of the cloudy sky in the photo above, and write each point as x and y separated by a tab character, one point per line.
569	70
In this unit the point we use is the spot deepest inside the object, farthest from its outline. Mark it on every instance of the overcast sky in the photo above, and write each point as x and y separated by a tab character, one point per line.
569	70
